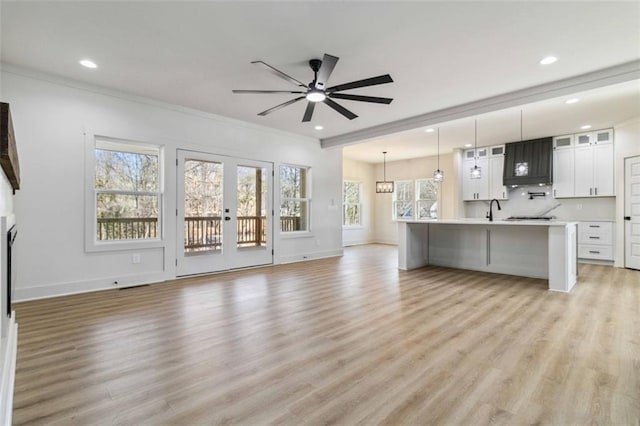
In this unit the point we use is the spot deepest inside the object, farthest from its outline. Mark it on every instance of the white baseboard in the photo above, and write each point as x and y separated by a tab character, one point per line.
357	243
310	256
386	242
596	262
8	354
86	286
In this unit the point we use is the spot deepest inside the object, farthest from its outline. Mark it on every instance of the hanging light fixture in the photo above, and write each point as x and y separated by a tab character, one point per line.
476	172
522	169
384	186
438	175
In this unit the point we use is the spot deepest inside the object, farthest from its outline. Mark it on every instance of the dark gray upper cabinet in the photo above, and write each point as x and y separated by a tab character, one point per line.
528	162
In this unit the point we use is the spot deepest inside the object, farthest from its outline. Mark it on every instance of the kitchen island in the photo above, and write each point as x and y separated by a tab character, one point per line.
536	249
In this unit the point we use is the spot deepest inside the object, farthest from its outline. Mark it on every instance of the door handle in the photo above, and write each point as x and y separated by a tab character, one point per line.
627	218
227	218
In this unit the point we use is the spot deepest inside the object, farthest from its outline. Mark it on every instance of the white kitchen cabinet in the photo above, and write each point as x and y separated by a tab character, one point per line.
583	165
594	165
496	165
563	173
563	166
595	240
563	142
583	171
476	189
603	174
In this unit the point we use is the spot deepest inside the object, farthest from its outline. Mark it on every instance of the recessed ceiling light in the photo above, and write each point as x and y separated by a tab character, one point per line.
468	145
548	60
88	63
430	130
572	101
318	127
586	127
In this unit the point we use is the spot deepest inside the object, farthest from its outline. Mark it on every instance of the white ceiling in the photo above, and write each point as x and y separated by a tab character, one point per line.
439	54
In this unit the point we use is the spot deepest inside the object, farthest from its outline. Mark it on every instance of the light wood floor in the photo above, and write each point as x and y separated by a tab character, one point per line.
348	340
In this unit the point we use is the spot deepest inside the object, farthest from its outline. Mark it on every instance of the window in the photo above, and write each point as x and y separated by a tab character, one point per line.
426	199
403	200
294	198
127	191
351	215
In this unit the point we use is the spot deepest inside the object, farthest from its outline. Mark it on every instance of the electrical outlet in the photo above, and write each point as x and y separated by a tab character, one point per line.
135	258
317	243
578	206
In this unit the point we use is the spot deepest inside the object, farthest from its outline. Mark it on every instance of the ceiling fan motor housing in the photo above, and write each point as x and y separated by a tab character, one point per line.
315	65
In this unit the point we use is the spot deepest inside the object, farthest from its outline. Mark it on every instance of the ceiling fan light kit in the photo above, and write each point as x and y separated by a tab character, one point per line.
316	91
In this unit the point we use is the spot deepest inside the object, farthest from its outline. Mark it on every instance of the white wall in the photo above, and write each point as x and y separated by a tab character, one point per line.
365	173
627	144
386	230
50	116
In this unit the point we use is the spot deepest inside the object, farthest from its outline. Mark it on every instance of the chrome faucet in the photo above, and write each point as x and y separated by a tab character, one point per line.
490	215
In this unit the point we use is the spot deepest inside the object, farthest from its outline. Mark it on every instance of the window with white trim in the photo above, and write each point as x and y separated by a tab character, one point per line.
295	201
403	200
426	199
127	191
351	203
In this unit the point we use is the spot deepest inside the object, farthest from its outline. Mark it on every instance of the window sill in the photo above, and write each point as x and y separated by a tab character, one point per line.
350	227
296	234
123	245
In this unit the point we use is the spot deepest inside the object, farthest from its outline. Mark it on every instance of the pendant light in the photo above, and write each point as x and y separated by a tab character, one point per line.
384	186
438	175
476	172
522	168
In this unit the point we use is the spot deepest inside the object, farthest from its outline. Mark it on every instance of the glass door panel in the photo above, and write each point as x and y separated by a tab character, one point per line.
251	206
203	201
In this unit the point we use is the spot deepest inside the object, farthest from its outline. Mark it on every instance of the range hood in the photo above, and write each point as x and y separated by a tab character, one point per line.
528	162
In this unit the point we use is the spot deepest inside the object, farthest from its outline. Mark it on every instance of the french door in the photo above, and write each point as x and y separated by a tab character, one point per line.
225	218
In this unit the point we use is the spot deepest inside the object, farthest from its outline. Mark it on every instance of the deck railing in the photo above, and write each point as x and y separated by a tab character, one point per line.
200	232
127	228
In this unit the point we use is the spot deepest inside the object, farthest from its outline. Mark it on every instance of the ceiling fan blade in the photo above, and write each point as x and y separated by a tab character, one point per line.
280	73
342	110
308	113
277	107
373	81
265	91
328	64
361	98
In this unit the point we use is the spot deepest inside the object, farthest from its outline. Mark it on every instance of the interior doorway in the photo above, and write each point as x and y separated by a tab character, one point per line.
632	212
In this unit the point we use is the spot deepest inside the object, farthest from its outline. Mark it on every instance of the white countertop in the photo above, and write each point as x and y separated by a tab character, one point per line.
477	221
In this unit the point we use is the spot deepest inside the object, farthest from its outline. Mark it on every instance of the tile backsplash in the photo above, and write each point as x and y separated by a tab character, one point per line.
520	204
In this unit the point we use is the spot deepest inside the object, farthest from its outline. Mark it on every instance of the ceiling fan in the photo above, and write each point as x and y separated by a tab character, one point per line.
316	91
